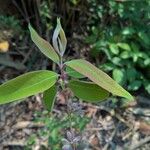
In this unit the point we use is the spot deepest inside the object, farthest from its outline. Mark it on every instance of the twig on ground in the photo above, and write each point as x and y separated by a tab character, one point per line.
111	138
15	143
111	112
27	124
140	143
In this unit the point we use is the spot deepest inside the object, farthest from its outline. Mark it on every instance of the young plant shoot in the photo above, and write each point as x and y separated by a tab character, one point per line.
44	81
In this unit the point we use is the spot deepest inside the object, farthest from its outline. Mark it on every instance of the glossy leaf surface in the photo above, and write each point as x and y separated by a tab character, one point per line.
71	72
119	75
88	91
26	85
124	46
49	97
43	45
135	85
98	77
114	48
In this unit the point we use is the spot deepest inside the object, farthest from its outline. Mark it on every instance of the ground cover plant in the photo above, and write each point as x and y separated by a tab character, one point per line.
70	75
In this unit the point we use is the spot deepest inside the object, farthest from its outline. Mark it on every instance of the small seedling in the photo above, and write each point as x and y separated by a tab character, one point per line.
47	81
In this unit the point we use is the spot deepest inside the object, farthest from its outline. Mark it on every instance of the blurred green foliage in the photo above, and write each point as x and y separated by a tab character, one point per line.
119	34
9	22
9	26
45	11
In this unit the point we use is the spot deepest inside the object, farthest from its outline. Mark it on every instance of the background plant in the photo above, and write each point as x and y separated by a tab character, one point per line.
9	27
119	35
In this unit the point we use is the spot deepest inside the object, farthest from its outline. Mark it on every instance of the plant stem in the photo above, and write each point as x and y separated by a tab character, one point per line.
74	146
61	66
70	125
70	119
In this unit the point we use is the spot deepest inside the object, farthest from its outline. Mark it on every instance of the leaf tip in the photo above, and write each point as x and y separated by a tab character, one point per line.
29	27
129	97
58	21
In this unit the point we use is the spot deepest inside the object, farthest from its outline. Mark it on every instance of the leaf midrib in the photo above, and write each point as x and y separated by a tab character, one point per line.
33	84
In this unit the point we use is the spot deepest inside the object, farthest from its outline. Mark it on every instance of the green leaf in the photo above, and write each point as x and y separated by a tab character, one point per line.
117	61
135	85
125	55
71	72
119	75
49	97
88	91
147	62
43	45
124	46
98	77
131	74
114	48
144	37
26	85
128	31
108	67
147	86
135	47
59	38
